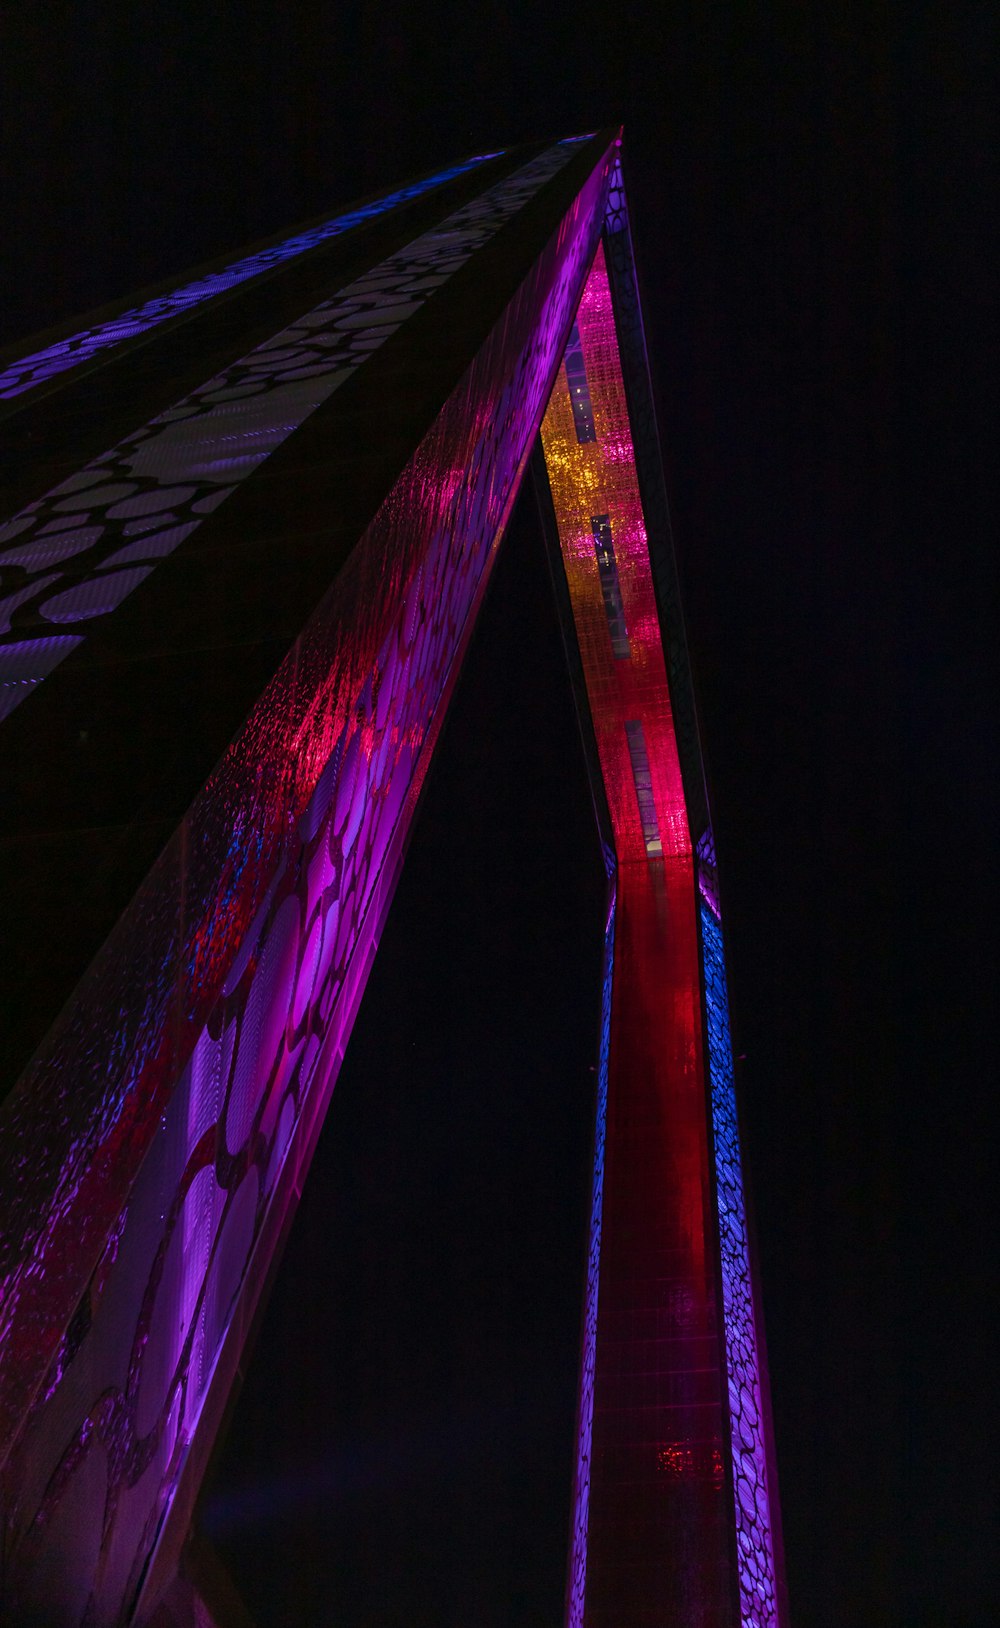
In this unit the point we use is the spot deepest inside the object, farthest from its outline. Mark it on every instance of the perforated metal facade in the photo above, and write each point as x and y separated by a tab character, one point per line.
310	530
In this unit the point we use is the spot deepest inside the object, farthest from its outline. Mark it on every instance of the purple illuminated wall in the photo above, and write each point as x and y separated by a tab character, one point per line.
752	1474
152	1155
155	1148
577	1575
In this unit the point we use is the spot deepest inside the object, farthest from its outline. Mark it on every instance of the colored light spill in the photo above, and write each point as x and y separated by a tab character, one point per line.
41	365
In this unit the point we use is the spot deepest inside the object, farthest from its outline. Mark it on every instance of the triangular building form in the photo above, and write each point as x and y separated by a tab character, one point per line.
247	527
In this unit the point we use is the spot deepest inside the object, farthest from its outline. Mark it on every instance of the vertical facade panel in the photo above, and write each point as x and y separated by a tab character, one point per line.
679	1527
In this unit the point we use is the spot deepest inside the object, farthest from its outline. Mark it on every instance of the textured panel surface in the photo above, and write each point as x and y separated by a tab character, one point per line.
41	365
758	1592
674	1522
594	480
656	1545
80	550
166	1121
659	1544
577	1576
649	468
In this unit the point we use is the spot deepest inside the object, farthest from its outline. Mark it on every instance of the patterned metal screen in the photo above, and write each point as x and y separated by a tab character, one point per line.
39	366
758	1589
157	1144
152	1154
84	547
673	1519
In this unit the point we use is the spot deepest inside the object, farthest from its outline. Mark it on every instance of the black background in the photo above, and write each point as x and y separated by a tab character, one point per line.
811	190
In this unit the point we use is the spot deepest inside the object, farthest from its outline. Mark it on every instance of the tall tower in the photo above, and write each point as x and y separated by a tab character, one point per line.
247	530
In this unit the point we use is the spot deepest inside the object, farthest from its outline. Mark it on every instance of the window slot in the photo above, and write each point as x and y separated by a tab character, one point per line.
635	735
610	586
579	390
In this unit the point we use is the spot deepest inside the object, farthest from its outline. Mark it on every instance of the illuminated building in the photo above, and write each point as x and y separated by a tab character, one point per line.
246	539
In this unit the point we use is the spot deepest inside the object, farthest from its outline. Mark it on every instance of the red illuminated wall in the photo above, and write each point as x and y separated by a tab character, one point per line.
654	1523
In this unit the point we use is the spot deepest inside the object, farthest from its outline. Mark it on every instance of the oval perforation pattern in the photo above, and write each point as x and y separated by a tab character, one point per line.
188	459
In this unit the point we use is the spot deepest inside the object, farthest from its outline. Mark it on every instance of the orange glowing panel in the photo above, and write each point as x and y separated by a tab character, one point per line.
591	467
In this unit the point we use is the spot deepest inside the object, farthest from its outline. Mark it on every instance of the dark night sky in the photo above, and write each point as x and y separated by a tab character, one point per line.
810	189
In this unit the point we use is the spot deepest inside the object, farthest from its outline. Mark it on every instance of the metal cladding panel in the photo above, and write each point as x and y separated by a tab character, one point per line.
755	1484
659	1540
157	1144
153	1153
577	1571
674	1487
657	1544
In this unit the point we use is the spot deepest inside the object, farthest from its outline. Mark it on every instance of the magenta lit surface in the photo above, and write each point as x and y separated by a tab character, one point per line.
154	1148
